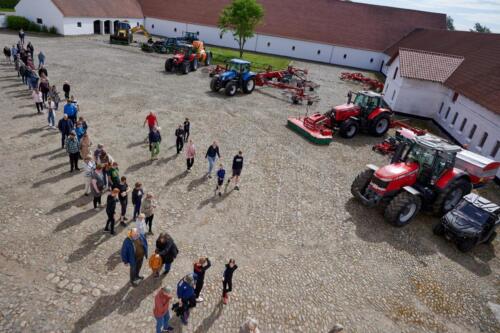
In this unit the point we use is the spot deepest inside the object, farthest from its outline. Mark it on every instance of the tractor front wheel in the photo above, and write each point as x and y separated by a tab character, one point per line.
185	67
360	183
169	65
438	229
466	244
230	89
249	86
450	196
215	84
349	128
491	238
402	209
194	65
380	125
208	59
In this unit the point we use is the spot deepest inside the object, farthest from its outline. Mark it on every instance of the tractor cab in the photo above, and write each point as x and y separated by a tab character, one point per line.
239	66
367	101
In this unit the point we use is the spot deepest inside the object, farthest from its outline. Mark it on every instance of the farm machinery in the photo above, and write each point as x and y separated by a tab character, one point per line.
124	33
403	132
425	172
188	58
238	76
366	112
170	44
371	84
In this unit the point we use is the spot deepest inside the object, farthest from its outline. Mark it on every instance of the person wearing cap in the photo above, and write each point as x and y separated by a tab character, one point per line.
73	149
187	297
110	211
161	312
133	252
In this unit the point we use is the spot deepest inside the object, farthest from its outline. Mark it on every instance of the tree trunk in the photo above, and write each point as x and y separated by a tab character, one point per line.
241	43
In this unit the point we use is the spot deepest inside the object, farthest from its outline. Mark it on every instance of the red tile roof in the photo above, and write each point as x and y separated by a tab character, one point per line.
429	66
333	22
100	8
478	76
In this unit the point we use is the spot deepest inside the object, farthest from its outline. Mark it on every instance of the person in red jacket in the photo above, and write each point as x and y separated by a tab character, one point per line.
161	309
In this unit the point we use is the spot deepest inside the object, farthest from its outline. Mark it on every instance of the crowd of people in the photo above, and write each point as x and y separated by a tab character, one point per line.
101	175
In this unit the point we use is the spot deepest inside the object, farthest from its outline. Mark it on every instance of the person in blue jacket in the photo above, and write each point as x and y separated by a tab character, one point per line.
71	110
134	250
187	297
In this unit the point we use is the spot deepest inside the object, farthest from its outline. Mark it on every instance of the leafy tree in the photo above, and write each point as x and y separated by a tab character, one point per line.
449	23
241	17
478	27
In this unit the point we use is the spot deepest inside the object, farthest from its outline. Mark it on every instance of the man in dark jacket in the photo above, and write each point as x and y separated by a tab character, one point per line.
187	128
179	138
110	210
237	167
166	248
211	156
134	250
65	126
154	143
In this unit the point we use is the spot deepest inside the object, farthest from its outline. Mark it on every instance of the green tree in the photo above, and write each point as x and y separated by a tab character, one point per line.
478	27
241	17
449	23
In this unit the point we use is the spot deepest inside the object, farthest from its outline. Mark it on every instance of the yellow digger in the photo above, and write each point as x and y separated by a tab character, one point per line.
124	33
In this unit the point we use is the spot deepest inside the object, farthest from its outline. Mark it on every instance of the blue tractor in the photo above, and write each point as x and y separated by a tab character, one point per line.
237	76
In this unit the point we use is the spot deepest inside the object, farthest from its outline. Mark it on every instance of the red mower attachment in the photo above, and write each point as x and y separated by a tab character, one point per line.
404	131
371	84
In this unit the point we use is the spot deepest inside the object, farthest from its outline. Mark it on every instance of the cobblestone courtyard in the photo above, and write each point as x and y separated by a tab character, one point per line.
309	255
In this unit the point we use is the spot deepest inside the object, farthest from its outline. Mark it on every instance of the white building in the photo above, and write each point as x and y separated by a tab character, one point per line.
452	78
77	17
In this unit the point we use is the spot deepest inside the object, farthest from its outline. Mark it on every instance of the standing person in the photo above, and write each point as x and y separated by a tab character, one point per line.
187	298
199	268
21	36
187	128
73	149
221	173
51	114
97	185
7	53
179	139
31	50
66	89
85	145
168	251
54	94
190	154
111	210
237	167
211	156
38	99
154	143
148	208
84	123
114	176
65	126
41	59
227	281
124	190
97	153
42	72
161	310
134	250
71	111
140	224
17	65
137	194
151	120
79	131
88	169
22	71
13	52
44	87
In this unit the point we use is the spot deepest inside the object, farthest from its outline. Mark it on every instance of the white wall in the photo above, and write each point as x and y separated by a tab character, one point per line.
87	24
3	21
357	58
44	9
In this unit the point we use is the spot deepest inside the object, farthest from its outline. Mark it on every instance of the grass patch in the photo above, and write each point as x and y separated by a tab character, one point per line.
7	9
259	61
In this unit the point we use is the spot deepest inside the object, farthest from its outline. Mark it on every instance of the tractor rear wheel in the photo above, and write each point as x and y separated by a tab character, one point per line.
215	84
360	183
450	196
185	67
466	244
169	65
231	88
349	128
491	238
208	59
438	229
194	65
249	86
380	125
402	209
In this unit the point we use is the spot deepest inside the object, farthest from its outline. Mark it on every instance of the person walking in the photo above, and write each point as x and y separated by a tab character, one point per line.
211	156
124	191
23	71
161	310
73	149
134	250
66	89
54	94
85	145
154	143
151	120
17	65
168	251
148	207
113	176
41	59
187	128
227	281
237	167
190	154
199	268
97	186
65	126
88	169
38	99
71	111
51	114
187	298
221	173
111	210
42	72
179	139
21	36
44	88
137	195
31	49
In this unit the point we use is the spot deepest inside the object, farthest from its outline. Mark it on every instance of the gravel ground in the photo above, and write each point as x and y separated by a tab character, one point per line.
309	255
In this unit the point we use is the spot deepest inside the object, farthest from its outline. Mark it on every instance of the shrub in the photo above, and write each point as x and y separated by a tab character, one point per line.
53	30
18	22
45	29
8	3
34	27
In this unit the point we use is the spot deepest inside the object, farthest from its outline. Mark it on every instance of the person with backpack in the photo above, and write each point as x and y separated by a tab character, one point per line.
168	251
199	268
71	110
113	176
97	185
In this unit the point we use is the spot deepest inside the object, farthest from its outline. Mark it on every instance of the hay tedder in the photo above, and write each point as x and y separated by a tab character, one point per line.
370	84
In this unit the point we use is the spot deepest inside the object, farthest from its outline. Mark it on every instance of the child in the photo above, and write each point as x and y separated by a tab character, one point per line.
140	225
227	281
221	173
137	194
155	263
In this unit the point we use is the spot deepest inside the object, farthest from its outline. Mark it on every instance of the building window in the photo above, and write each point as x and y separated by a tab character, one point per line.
495	150
152	26
447	113
79	24
395	73
472	131
483	140
393	95
455	97
293	48
441	108
454	118
319	52
268	44
463	124
345	56
371	60
197	33
39	21
220	36
175	29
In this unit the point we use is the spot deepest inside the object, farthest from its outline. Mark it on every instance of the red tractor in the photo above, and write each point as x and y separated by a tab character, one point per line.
425	172
188	58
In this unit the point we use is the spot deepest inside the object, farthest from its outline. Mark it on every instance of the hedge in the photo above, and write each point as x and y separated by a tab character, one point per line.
19	22
8	3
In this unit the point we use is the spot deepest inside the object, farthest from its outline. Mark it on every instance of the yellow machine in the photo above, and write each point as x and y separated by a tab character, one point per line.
124	33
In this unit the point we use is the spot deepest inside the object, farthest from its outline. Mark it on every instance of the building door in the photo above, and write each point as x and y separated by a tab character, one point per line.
107	27
97	27
115	26
381	66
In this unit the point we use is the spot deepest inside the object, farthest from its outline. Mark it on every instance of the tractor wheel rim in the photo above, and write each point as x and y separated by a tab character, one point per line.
382	126
407	212
351	130
453	199
250	84
233	89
